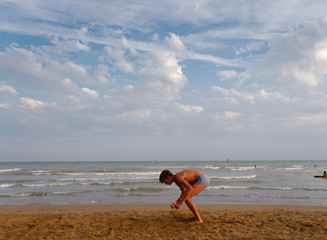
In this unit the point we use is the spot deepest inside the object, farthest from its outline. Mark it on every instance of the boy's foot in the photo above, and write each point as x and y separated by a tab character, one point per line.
196	222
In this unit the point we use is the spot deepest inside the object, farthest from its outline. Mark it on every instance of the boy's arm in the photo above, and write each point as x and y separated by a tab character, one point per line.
183	189
186	189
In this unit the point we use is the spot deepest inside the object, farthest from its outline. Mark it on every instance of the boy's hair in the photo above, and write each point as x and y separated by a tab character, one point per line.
164	174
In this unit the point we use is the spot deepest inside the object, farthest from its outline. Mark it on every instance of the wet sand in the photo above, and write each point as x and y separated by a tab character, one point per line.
135	221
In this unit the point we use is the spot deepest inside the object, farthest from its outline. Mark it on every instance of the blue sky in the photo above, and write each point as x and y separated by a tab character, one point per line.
163	80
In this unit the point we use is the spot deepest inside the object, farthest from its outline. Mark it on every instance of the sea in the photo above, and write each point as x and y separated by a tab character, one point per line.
232	182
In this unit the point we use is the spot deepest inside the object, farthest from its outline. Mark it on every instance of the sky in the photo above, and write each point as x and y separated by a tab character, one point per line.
163	80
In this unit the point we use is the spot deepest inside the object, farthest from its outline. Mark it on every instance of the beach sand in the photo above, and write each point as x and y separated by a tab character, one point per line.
132	221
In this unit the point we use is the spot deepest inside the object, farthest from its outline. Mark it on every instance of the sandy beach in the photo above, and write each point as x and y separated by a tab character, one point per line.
130	221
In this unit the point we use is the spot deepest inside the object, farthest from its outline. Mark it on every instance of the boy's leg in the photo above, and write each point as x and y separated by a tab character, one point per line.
197	188
192	207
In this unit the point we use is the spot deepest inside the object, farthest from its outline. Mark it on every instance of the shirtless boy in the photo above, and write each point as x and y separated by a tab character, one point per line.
191	183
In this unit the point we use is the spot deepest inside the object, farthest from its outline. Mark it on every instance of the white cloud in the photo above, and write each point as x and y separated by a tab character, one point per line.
162	77
299	57
73	98
4	106
227	74
320	51
262	94
129	88
117	58
189	108
252	98
253	46
32	104
175	42
8	90
233	75
227	115
308	119
237	127
38	70
231	115
220	90
66	45
127	45
69	85
90	93
234	94
74	70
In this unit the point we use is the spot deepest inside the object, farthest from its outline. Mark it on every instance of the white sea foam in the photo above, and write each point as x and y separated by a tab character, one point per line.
105	173
235	177
6	185
102	179
10	170
293	167
15	195
240	168
63	193
210	167
40	173
45	185
29	194
229	187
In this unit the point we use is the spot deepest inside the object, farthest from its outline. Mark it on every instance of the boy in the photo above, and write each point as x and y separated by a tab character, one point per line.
191	183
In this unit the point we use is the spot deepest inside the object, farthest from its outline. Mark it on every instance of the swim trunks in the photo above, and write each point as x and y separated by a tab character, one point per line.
203	180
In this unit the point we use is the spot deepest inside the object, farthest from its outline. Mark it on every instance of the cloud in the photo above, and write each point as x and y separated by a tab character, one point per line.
231	75
251	47
4	105
161	76
116	57
182	70
227	115
299	58
66	45
189	108
308	119
263	95
231	115
38	71
90	93
227	74
8	90
232	94
175	43
32	104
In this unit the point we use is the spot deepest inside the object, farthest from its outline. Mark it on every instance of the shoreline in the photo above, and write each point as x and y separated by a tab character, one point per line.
152	221
150	207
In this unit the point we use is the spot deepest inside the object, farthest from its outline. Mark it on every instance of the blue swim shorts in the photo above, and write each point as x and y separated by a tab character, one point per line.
203	180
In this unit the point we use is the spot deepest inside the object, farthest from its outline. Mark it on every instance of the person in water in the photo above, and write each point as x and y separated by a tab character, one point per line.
325	174
191	183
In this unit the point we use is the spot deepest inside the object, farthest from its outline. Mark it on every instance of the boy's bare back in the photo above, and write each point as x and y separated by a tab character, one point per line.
190	176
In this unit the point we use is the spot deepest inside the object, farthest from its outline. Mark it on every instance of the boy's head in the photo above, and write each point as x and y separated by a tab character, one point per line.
164	175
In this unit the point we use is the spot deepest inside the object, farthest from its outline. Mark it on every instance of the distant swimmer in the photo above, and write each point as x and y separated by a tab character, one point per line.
255	166
323	176
191	183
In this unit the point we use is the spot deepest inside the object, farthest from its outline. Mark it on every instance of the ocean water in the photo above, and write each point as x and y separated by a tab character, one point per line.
233	182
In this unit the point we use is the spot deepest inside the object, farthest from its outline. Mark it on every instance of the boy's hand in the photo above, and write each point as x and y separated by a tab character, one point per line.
175	205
